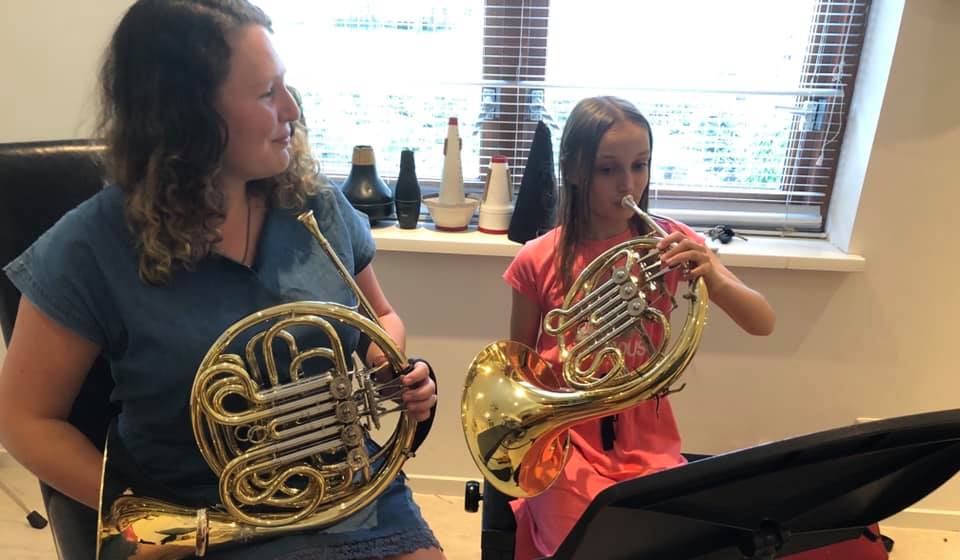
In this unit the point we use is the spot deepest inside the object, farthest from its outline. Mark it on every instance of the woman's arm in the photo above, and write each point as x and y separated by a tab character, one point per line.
44	368
420	394
367	282
746	306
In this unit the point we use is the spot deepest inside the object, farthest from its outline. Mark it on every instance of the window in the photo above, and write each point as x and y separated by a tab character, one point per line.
747	98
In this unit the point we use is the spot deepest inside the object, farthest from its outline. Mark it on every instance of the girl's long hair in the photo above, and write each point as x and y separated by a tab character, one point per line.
590	119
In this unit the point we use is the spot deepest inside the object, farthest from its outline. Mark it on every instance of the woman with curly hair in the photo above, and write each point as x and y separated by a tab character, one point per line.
210	168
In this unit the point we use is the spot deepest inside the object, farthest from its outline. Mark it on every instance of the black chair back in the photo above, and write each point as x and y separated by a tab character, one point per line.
39	183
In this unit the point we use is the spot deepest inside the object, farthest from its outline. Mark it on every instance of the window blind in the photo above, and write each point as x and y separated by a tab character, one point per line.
747	98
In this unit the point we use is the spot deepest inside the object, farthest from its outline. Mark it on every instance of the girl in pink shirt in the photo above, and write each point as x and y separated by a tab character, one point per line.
605	155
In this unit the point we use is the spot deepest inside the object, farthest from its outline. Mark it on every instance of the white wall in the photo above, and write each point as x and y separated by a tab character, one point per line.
50	50
870	344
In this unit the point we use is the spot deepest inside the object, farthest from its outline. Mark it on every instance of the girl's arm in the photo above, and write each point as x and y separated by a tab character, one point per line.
524	320
746	306
45	366
421	392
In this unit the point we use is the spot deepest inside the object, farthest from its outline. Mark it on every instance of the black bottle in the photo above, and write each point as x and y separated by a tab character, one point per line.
406	193
364	188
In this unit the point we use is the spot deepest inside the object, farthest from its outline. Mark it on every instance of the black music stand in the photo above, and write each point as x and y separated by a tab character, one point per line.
772	500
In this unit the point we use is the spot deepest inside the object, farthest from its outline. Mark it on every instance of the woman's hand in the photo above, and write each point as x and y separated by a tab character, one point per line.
419	391
678	249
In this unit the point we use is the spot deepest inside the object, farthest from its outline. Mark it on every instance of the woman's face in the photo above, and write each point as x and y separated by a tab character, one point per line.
257	108
622	167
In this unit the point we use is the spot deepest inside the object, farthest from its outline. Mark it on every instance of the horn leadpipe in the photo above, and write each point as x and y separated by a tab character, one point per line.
629	202
307	219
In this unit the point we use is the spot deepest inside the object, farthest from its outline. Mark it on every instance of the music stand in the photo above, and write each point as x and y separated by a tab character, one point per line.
775	499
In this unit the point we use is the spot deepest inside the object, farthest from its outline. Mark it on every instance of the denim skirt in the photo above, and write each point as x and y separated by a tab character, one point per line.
389	526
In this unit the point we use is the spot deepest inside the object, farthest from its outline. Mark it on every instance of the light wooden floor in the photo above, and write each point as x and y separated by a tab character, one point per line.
458	531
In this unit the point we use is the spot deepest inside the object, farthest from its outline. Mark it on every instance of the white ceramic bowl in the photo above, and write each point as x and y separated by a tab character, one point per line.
451	217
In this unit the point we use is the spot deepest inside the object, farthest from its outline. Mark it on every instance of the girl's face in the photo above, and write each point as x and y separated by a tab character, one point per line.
257	108
622	167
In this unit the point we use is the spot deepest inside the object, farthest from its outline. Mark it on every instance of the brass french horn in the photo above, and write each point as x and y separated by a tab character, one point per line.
516	427
289	448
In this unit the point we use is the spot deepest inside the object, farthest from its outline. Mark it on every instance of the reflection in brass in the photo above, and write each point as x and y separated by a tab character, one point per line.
287	443
516	418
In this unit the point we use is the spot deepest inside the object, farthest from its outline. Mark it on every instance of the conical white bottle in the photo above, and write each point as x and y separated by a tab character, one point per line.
496	208
451	188
451	210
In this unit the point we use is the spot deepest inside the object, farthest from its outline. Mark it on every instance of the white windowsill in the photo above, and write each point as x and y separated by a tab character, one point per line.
759	252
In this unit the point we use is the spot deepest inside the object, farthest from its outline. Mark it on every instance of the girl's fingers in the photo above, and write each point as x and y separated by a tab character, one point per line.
700	270
683	244
666	242
691	255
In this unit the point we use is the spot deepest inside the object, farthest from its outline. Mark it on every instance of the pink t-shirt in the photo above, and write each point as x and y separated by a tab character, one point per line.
646	440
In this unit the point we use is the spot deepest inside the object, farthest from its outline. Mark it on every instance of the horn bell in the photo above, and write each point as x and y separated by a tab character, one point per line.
516	421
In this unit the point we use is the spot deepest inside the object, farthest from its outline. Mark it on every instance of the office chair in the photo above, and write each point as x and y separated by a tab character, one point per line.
39	183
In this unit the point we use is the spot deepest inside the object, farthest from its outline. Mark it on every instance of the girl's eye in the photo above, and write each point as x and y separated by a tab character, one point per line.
268	94
640	166
605	170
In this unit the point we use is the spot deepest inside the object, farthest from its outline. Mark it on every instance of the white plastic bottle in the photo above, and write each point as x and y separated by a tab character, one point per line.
451	188
451	210
496	207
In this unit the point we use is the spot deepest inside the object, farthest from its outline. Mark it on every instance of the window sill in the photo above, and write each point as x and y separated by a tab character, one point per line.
759	252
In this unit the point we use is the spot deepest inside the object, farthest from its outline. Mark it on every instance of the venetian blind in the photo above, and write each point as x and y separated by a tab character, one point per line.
747	98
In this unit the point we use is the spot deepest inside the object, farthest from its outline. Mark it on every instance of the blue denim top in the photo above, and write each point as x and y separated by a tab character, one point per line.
83	274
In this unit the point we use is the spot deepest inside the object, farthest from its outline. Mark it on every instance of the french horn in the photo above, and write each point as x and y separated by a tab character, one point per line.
516	422
288	444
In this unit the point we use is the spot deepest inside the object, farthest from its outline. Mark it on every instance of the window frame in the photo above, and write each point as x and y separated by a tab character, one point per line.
826	50
515	52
